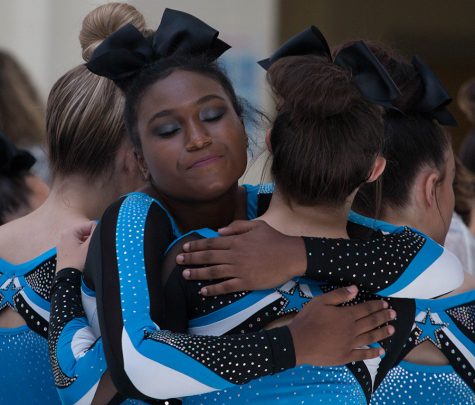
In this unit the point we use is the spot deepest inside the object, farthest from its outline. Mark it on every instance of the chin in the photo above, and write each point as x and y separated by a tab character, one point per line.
213	190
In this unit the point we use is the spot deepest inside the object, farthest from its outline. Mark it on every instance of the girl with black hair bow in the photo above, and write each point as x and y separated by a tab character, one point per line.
169	128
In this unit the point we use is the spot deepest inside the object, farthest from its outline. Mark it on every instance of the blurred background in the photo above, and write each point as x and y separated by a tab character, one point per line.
43	34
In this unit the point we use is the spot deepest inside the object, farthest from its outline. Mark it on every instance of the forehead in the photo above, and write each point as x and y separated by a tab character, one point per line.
181	88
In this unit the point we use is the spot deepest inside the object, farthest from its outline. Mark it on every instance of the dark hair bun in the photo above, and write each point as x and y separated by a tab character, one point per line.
312	85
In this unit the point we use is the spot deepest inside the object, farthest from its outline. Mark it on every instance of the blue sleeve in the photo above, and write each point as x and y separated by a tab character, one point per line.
76	354
144	360
395	262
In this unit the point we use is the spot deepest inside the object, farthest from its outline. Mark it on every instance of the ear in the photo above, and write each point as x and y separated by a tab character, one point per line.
130	161
268	135
378	169
430	185
142	164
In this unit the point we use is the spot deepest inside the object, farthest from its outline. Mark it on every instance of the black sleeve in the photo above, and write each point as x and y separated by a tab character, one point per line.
392	264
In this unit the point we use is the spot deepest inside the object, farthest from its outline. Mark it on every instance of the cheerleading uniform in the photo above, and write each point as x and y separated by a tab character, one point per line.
145	360
25	372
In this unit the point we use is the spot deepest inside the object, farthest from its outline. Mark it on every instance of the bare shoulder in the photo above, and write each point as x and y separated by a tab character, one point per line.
23	239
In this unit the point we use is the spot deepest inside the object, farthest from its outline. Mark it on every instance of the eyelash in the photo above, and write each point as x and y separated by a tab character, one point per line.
170	133
214	117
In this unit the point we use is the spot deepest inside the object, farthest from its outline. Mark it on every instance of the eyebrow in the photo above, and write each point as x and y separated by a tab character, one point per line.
202	100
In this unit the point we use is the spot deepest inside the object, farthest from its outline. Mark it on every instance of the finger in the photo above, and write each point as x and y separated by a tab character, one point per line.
376	335
225	287
238	227
84	229
364	354
206	257
339	296
207	273
375	320
198	245
367	308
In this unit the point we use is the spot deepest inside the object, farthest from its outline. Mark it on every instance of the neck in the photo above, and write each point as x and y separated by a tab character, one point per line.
400	216
76	197
213	214
294	219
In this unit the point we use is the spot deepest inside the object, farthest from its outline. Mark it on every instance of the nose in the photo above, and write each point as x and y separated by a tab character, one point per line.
197	137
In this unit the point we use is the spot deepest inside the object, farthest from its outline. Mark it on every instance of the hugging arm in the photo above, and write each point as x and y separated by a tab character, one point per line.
144	360
395	262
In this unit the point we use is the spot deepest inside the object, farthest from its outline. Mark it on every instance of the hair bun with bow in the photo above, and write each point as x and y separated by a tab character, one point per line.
367	73
124	53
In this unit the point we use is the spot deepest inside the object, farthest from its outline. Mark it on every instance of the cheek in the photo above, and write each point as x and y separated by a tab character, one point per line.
237	144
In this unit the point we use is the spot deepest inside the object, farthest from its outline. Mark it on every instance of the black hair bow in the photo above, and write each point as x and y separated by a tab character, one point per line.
13	160
368	73
125	52
434	99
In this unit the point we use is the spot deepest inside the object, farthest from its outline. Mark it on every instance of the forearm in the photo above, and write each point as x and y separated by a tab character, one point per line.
76	355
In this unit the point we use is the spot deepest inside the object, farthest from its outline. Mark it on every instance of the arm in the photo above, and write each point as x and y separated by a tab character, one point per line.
400	262
76	350
144	360
76	354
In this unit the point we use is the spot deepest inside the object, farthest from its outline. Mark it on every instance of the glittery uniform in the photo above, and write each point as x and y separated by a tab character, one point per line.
128	247
25	372
449	323
181	363
249	311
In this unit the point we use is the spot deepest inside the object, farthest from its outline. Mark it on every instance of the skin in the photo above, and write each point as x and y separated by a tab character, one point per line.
194	147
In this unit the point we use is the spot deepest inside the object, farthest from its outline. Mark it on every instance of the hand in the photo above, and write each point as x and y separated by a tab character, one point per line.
326	334
250	255
71	250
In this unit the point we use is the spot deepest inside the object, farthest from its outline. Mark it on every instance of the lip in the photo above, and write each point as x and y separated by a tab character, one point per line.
205	161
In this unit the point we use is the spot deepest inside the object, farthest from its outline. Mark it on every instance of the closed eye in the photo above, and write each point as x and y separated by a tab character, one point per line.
212	114
167	130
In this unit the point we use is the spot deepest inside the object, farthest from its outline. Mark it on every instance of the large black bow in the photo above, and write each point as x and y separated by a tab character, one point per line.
12	159
367	72
434	98
126	51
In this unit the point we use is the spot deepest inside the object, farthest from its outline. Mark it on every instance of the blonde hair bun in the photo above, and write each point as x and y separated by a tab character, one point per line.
105	20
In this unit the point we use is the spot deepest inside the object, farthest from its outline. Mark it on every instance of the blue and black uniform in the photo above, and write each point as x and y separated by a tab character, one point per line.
147	361
25	372
449	324
389	269
182	364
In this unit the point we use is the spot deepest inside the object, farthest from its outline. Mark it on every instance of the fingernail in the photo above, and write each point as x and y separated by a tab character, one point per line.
186	273
352	289
180	259
391	329
385	304
221	229
381	352
392	314
186	246
204	291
